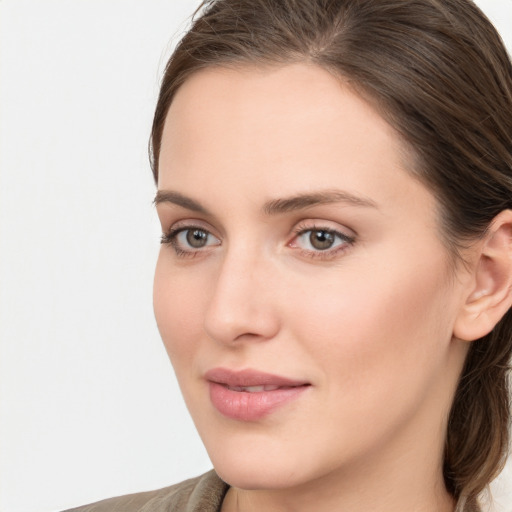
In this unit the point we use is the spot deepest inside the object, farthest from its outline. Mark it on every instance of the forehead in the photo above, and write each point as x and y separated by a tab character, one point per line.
299	100
286	129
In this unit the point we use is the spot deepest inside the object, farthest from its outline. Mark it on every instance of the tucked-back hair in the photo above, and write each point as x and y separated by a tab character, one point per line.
438	72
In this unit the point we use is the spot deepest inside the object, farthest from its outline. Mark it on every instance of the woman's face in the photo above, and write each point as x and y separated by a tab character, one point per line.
303	292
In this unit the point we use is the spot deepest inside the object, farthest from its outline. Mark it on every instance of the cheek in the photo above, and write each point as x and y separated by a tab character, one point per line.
178	309
377	331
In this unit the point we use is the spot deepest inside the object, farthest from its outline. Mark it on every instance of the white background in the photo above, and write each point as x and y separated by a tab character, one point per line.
89	407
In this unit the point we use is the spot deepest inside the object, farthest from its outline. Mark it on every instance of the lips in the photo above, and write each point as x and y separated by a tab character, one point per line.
252	389
250	395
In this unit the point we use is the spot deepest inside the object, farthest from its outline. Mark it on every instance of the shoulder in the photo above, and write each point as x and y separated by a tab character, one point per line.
202	494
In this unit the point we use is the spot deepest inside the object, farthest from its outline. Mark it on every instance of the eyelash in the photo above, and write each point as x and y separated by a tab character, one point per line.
327	254
170	237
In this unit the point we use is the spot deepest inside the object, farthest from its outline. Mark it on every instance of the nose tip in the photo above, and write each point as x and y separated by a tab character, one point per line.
238	324
241	306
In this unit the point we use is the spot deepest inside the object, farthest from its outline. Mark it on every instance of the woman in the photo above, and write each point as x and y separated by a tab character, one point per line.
335	280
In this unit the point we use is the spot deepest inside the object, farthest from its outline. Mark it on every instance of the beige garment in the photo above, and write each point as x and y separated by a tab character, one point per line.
202	494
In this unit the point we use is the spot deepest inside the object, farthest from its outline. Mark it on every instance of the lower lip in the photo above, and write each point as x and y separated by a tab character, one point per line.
244	406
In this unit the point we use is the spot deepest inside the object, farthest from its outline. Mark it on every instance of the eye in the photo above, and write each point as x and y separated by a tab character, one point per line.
189	240
195	238
319	239
321	242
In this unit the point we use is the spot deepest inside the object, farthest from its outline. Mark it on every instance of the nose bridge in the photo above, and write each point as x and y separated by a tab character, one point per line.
240	304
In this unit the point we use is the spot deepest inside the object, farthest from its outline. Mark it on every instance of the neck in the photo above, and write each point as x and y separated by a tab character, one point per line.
372	490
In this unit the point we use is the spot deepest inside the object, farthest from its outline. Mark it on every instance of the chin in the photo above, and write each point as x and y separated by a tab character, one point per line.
254	477
266	466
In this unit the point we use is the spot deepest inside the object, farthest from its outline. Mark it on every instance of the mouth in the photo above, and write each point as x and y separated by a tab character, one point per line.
255	389
251	380
250	395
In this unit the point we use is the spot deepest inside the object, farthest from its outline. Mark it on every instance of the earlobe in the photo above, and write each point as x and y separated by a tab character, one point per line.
490	295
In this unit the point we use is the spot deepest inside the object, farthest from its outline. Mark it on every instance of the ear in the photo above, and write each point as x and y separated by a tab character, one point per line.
490	292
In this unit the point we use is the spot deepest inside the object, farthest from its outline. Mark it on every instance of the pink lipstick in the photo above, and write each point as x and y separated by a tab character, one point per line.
250	395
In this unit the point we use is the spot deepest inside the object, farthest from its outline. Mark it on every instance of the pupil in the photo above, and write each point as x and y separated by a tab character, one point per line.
321	240
196	238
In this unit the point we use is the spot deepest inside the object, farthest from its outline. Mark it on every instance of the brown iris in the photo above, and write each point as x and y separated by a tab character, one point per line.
197	238
321	239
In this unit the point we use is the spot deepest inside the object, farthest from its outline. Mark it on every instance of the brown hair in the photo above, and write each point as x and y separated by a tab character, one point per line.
439	73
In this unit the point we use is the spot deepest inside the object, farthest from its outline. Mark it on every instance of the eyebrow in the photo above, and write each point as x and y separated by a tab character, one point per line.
275	206
307	200
169	196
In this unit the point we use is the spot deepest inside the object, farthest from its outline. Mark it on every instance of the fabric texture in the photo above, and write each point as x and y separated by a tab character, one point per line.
202	494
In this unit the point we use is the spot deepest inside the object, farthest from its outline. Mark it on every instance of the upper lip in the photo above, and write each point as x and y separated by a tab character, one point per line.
250	377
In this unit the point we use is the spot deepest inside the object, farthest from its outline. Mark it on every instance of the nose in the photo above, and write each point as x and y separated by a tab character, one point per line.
242	306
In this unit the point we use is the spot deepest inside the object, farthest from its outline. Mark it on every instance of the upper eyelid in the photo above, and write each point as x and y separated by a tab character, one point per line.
327	225
192	223
305	229
343	236
173	231
170	213
195	228
299	227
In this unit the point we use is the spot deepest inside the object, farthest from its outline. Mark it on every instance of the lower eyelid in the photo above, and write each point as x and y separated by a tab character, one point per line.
330	254
345	244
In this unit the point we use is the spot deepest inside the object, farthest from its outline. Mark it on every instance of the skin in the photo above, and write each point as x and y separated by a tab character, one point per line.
368	323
